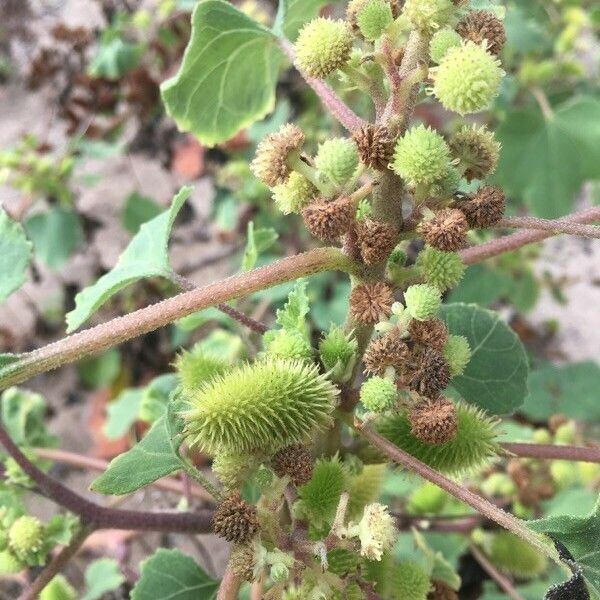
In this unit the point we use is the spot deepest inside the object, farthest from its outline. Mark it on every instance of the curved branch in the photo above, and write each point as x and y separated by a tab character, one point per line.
336	106
522	238
551	452
97	339
553	226
100	517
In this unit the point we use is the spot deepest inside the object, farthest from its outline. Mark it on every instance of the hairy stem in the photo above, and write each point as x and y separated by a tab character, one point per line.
551	452
522	238
100	338
502	581
480	504
100	517
553	226
334	104
230	585
56	565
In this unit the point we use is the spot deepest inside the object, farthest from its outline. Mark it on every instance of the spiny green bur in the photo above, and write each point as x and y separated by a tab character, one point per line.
259	406
473	446
512	554
195	367
410	582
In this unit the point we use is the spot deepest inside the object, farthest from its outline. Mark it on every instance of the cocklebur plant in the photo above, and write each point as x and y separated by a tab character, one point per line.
302	429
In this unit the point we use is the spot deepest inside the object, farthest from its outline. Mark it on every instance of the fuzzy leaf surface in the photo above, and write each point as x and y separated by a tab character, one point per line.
228	75
150	459
544	160
496	377
145	256
15	254
172	575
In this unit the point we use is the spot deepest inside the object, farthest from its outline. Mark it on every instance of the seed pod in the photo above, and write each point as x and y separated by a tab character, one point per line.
386	351
513	554
296	461
371	302
427	373
482	25
235	519
477	150
484	209
468	79
428	16
243	561
337	159
295	194
373	18
441	591
375	146
457	353
432	333
410	581
441	42
378	394
338	353
328	221
25	536
441	269
447	230
422	301
421	156
323	46
434	422
376	239
270	164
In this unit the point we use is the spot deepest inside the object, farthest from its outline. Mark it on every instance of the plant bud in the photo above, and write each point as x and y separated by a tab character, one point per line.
25	536
371	302
272	154
338	353
428	16
373	18
441	42
457	354
432	333
288	344
322	47
440	269
446	230
235	519
422	301
378	394
337	159
477	150
295	194
421	156
483	26
9	563
468	79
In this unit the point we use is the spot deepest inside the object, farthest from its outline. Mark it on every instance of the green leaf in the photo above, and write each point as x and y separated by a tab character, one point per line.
122	413
570	389
481	284
137	210
145	256
439	568
496	377
258	241
580	536
100	371
292	14
15	254
546	160
55	234
115	58
150	459
292	316
228	76
172	575
101	577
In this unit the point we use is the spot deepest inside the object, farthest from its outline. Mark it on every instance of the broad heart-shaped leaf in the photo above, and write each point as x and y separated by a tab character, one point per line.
496	377
172	575
150	459
55	234
292	14
581	538
15	254
544	160
228	75
145	256
101	577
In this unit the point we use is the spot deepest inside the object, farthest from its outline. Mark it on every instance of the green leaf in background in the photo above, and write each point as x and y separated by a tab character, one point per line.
292	316
545	160
101	577
496	376
145	256
580	536
7	359
115	58
172	575
571	390
100	371
292	14
137	210
228	76
15	254
258	241
55	234
150	459
122	413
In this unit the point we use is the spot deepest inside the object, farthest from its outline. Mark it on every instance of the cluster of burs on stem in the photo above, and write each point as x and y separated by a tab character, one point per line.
317	530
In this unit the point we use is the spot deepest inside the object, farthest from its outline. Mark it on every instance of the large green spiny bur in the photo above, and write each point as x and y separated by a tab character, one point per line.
261	406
